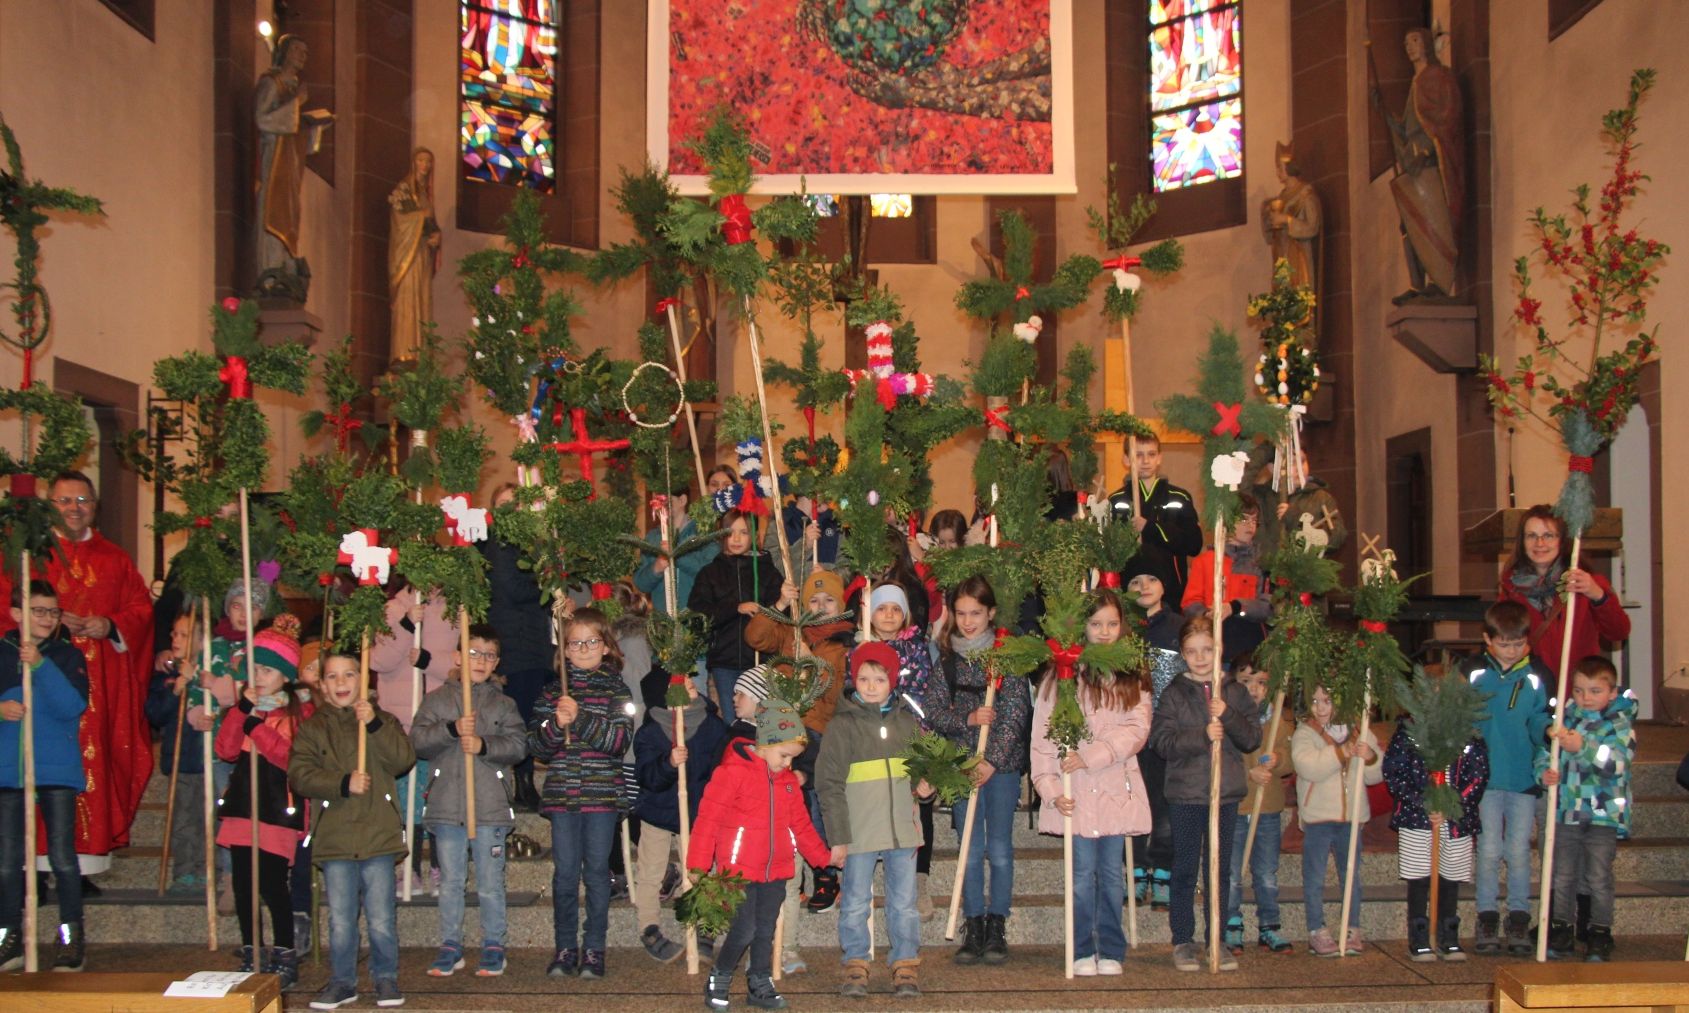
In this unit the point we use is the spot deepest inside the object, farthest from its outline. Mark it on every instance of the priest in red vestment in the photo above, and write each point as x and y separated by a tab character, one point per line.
108	613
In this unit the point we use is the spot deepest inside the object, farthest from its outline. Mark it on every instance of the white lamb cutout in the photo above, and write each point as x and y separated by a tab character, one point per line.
1314	539
370	563
1126	281
1227	469
467	524
1377	568
1029	331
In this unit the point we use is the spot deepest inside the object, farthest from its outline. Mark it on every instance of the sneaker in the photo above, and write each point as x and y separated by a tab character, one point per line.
1521	941
387	992
1110	968
1355	944
1600	945
1270	940
1234	936
658	946
792	962
1320	943
188	883
1161	889
592	964
855	983
671	884
826	892
1085	967
447	961
567	964
1187	957
1228	959
335	995
492	961
11	951
1140	879
716	985
1561	941
761	993
618	886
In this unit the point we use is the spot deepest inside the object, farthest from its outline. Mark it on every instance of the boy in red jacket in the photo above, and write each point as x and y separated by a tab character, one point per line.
752	811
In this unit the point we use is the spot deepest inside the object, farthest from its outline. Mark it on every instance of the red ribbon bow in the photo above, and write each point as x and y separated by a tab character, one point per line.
677	678
233	374
602	591
1372	626
1580	463
664	303
1022	292
1305	598
1109	579
736	228
202	522
521	258
23	486
344	425
325	579
1439	778
1228	423
1064	658
1122	263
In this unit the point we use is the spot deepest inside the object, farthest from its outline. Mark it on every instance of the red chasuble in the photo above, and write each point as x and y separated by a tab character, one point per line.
95	578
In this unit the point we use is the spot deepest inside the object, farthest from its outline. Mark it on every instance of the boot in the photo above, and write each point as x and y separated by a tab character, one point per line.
527	795
715	988
973	941
1600	944
826	892
763	994
923	898
284	964
1448	939
855	984
243	960
1161	889
1519	941
301	934
1561	939
1419	941
905	977
1583	918
11	950
996	939
71	943
1488	940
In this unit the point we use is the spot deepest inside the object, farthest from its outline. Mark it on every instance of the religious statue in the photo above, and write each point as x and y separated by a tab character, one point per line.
1430	182
287	133
1291	223
413	256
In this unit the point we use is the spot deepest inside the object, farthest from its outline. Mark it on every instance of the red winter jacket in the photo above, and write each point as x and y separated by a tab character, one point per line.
1591	625
751	819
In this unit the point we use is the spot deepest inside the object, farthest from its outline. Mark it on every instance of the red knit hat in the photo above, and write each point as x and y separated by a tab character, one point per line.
880	653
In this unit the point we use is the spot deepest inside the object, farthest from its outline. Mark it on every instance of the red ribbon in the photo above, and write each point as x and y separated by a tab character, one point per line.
1109	579
1123	263
344	426
202	522
1228	420
1021	292
659	505
234	375
914	526
1439	778
859	583
1372	626
1064	658
28	368
602	591
23	486
1001	635
1580	463
664	303
736	228
583	446
521	258
325	579
677	678
1305	598
994	419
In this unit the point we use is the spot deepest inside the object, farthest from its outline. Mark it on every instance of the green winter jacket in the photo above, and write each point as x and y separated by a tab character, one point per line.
867	801
325	753
1595	780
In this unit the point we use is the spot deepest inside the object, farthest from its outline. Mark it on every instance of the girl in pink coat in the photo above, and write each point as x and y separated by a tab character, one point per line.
1109	800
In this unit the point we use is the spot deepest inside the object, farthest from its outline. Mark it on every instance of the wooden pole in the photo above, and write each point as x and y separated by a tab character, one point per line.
1216	673
408	884
684	800
1434	857
363	694
1561	684
1261	789
468	708
1131	438
770	462
1131	896
968	824
170	795
252	807
779	942
32	896
208	760
1067	877
691	418
1354	788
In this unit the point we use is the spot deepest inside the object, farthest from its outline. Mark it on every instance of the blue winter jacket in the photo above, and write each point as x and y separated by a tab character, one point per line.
60	686
659	795
1595	780
1517	719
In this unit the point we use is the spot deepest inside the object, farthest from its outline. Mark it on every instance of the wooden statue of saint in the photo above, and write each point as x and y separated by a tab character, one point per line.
287	133
413	256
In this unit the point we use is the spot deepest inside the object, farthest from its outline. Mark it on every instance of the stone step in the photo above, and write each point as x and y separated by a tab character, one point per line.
138	917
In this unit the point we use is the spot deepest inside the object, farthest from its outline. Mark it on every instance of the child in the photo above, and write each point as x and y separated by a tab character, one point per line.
956	708
59	684
1596	747
1187	721
262	728
492	732
1320	753
1405	773
1265	766
582	726
751	816
1245	606
358	833
870	811
1154	851
729	590
1514	729
1109	800
173	687
748	694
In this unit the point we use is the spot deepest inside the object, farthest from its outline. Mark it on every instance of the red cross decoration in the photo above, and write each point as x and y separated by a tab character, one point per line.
584	446
1229	421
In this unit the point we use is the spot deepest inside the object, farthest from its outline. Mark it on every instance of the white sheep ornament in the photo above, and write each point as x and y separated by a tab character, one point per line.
370	562
1313	537
466	524
1227	469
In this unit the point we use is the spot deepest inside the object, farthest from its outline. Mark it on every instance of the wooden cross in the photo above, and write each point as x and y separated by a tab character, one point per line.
584	446
1369	545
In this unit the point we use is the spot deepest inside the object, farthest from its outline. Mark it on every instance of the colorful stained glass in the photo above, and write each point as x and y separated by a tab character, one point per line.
508	77
826	205
1196	59
1166	10
1197	145
880	205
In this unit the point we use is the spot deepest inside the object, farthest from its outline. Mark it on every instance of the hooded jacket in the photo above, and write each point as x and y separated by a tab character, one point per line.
1595	780
867	800
1110	798
583	763
1172	532
504	742
350	827
830	642
1322	779
1517	718
281	813
60	688
659	781
722	586
1272	793
751	819
1179	735
1407	778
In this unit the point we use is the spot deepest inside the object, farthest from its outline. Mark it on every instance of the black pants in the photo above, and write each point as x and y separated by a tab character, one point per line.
1154	850
524	688
753	929
923	854
1419	897
1190	839
273	888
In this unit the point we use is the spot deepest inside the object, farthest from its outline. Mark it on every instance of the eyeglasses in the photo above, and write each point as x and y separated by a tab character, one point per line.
65	501
584	645
45	613
1542	536
475	654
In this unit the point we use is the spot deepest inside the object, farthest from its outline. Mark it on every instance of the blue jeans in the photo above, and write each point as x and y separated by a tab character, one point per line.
856	894
1507	818
724	679
993	840
451	846
1263	869
1099	891
1320	840
370	886
580	849
58	815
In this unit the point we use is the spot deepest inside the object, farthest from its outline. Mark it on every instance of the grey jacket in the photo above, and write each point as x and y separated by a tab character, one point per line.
1179	734
504	742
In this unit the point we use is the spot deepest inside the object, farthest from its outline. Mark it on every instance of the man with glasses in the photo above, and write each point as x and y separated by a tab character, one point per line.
108	614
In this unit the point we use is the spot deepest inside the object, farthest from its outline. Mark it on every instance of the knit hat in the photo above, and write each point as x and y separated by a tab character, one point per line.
1140	565
277	650
880	653
261	593
753	682
778	723
822	581
889	594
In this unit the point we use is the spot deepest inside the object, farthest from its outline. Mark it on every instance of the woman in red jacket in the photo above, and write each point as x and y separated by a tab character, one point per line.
1534	578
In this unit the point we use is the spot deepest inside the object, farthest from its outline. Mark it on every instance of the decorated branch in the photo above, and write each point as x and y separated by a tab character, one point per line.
943	764
1116	227
1446	714
709	906
875	479
26	517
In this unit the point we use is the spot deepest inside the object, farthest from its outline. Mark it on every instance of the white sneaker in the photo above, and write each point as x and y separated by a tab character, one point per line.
1085	967
1109	967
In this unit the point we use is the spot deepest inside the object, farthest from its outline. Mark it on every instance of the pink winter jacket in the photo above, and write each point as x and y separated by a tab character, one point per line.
1109	792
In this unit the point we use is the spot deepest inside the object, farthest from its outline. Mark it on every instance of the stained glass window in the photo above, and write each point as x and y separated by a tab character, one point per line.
508	76
1195	91
880	205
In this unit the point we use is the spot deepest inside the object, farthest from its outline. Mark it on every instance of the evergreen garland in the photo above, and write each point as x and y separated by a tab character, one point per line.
27	519
1446	713
943	764
1116	227
677	642
709	906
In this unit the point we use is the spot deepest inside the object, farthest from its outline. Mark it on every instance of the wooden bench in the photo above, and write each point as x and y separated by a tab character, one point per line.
131	993
1656	986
